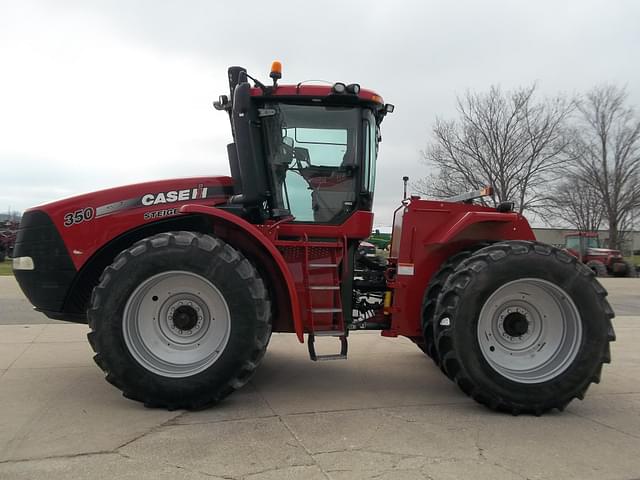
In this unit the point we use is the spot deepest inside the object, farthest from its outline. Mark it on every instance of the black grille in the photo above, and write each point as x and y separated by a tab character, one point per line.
46	286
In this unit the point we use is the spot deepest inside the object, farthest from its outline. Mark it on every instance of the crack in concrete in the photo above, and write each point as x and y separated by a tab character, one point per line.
510	470
382	407
597	422
57	457
173	423
317	412
18	357
395	462
277	469
153	429
297	439
182	467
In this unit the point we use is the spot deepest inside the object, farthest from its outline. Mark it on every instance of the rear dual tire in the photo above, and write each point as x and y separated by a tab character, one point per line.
523	327
598	268
427	343
628	270
179	320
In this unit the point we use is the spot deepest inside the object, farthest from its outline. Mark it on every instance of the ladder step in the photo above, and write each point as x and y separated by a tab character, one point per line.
328	333
324	287
326	310
344	346
323	265
334	356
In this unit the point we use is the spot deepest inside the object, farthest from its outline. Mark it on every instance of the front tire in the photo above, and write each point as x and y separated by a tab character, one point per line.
523	327
179	320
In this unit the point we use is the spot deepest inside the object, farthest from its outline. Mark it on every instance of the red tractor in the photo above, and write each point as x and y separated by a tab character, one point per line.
7	239
585	246
183	281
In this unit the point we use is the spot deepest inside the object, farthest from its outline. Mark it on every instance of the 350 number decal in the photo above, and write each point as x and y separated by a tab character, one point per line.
79	216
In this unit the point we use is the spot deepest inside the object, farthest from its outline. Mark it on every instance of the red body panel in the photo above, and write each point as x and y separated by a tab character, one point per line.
118	210
425	234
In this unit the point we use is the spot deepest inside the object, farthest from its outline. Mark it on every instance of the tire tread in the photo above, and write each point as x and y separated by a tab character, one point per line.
454	289
209	244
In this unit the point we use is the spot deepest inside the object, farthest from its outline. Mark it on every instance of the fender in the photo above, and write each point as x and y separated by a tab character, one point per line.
425	234
517	225
257	235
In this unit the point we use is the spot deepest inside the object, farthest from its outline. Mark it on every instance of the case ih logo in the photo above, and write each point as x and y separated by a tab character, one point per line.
174	196
161	198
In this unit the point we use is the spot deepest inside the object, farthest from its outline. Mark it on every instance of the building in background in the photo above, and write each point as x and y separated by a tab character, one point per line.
555	236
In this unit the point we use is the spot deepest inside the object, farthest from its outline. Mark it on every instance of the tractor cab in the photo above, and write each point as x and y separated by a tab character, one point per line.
302	152
580	242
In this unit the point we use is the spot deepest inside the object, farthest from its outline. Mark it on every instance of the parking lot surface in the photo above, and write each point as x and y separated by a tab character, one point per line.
386	413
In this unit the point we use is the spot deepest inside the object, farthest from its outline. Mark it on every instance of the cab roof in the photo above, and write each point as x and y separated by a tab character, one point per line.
319	91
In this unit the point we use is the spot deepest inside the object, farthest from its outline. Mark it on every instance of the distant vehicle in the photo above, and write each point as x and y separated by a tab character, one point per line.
7	239
380	240
587	248
367	249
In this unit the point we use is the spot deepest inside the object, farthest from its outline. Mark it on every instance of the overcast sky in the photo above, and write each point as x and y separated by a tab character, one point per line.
96	94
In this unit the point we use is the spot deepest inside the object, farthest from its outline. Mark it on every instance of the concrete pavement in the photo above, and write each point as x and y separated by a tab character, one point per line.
15	309
387	412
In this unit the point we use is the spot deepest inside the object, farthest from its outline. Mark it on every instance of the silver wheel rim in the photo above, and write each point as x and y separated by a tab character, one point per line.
529	330
176	324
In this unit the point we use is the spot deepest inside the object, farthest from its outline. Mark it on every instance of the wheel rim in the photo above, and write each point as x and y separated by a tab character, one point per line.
176	324
529	330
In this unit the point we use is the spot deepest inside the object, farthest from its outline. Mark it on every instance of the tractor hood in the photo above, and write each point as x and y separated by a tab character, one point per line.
86	222
148	195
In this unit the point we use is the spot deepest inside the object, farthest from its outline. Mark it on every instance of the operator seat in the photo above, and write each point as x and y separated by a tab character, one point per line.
333	189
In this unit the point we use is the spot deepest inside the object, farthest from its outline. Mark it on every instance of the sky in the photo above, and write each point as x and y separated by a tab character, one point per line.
95	94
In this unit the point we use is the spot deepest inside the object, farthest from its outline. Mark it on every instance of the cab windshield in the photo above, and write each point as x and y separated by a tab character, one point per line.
313	155
573	242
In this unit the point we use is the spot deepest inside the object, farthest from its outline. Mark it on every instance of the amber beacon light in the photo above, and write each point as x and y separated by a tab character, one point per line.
276	72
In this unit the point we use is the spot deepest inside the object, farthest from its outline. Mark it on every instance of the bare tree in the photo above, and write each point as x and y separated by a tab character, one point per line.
607	148
509	140
574	202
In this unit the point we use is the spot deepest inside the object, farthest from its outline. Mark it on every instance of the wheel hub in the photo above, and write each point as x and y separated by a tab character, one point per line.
169	323
185	317
529	330
516	324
